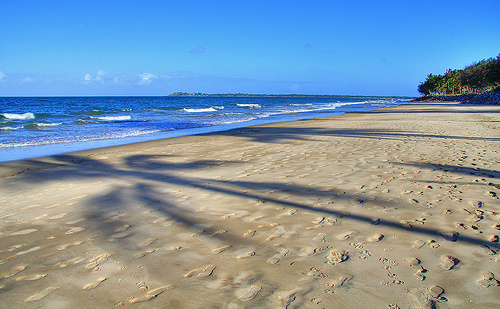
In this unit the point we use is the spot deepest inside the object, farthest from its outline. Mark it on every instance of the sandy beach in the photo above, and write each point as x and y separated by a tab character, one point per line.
394	208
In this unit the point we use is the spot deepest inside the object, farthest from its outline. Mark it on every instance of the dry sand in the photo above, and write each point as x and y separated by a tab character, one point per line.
395	208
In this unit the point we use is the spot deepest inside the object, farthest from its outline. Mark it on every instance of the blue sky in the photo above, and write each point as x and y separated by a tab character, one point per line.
310	47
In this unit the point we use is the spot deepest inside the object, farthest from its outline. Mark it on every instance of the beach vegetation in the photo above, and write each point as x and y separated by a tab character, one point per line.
477	78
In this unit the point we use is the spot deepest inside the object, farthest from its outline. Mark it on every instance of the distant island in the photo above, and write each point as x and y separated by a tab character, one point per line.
200	94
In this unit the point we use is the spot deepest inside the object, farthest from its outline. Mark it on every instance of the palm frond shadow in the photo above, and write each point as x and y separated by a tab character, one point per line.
150	172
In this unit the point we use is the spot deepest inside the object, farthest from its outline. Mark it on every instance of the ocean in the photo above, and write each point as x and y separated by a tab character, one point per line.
40	126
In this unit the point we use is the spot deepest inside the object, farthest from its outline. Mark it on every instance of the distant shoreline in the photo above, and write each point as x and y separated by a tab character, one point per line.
199	94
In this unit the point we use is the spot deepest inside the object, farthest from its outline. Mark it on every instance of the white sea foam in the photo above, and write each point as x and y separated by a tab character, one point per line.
112	118
8	129
199	110
24	116
47	125
249	105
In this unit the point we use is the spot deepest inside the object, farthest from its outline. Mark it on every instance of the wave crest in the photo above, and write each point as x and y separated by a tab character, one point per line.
13	116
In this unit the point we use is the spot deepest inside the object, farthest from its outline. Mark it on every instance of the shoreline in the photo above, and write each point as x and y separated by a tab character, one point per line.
10	154
391	208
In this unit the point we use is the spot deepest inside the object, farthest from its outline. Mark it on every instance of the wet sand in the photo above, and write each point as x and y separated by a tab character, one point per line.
394	208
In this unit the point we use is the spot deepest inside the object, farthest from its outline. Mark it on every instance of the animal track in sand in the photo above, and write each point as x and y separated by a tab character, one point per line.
41	295
249	293
94	284
150	295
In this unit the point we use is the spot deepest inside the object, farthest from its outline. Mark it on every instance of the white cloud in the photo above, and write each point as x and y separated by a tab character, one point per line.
146	78
88	78
2	75
99	75
27	79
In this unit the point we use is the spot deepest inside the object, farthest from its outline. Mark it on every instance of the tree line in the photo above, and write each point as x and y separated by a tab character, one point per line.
476	78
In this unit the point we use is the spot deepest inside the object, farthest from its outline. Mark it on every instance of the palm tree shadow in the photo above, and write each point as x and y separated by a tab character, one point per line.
150	172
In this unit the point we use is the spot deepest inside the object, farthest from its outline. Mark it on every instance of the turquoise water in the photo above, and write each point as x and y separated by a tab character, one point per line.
34	126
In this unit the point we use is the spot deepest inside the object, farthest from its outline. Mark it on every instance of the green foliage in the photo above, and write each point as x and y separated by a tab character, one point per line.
477	78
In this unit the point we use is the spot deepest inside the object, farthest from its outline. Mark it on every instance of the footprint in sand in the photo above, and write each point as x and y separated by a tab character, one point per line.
376	238
488	280
197	233
273	237
448	262
249	293
23	232
415	263
122	229
245	255
66	246
418	244
31	277
65	263
450	236
150	295
221	249
148	242
321	237
144	253
29	250
309	251
277	257
13	271
94	284
425	298
337	256
249	233
287	297
95	262
173	248
219	233
202	272
75	230
41	295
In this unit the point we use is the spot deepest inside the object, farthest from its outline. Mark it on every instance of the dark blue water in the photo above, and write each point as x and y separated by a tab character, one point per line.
35	126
